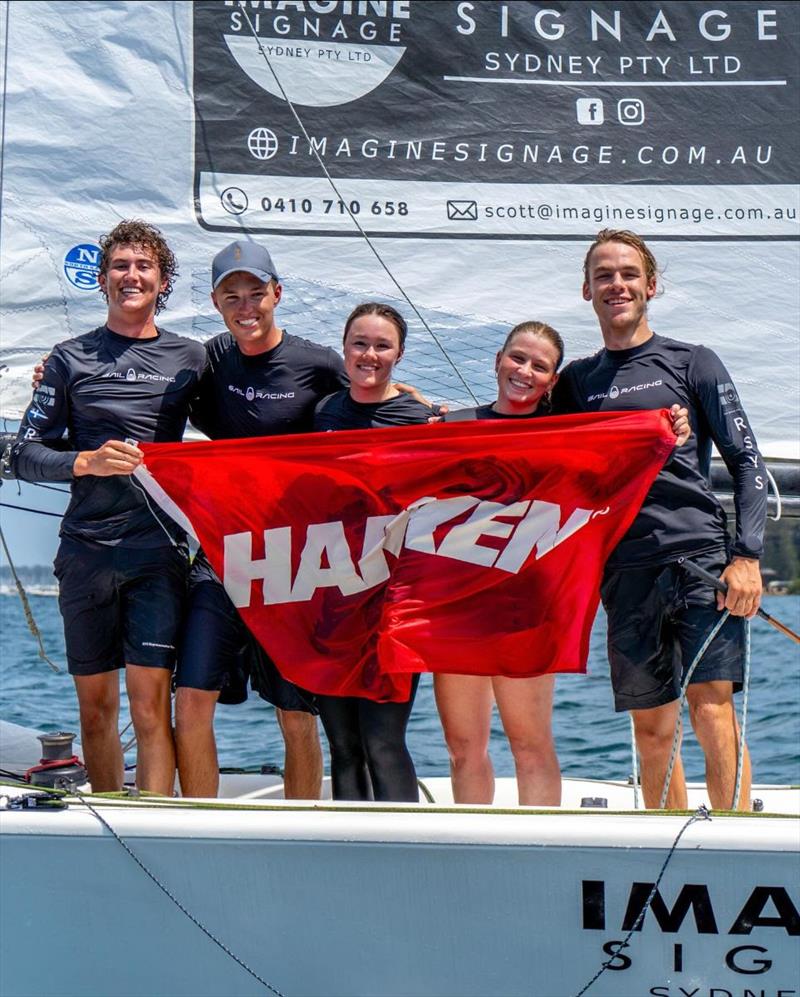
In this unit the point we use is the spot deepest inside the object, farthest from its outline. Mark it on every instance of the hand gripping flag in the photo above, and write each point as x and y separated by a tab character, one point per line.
359	557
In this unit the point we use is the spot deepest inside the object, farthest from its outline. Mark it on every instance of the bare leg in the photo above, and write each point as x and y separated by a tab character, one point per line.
465	709
98	702
526	709
302	767
713	718
655	730
149	696
196	747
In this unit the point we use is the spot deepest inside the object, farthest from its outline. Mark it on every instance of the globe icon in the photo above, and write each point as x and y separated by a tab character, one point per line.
262	143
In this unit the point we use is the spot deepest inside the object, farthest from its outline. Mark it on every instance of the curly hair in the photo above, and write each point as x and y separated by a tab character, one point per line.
384	311
133	232
630	239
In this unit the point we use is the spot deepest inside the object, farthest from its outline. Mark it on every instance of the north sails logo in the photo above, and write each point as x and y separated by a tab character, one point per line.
325	559
615	392
324	53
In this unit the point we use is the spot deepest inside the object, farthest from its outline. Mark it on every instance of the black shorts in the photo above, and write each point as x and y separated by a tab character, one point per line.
218	652
658	618
120	604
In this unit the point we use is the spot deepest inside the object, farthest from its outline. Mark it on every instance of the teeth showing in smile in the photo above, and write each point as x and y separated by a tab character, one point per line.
247	323
523	385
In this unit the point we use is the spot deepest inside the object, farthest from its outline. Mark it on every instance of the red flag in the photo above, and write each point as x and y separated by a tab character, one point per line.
359	557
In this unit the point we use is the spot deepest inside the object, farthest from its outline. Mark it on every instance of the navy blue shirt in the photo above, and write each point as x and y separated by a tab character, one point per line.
340	411
98	387
680	515
269	394
487	412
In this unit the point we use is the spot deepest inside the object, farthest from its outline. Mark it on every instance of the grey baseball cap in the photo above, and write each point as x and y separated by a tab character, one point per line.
246	256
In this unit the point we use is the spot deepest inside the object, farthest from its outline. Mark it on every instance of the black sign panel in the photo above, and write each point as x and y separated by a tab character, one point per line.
438	117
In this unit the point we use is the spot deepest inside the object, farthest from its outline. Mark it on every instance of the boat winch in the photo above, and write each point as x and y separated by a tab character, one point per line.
59	767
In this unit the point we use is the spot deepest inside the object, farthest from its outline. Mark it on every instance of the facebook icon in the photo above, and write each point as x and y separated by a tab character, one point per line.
590	110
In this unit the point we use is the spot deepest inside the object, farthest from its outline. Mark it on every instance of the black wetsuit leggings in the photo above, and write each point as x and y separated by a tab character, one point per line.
369	757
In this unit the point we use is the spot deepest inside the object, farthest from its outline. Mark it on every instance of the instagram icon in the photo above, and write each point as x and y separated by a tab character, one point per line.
630	111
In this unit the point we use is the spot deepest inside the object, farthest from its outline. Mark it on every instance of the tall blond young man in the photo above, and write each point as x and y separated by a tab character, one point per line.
658	613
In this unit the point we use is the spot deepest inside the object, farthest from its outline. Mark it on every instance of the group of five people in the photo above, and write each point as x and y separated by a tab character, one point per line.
123	565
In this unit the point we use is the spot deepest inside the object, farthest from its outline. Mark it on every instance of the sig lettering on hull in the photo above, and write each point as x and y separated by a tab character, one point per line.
695	915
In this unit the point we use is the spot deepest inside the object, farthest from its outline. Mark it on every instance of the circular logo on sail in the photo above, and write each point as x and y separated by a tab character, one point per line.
323	53
82	265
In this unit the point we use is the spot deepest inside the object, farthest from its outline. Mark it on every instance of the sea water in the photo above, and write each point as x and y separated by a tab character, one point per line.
592	740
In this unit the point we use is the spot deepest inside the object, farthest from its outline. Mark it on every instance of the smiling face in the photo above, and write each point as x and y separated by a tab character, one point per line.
371	349
526	371
131	283
618	287
247	306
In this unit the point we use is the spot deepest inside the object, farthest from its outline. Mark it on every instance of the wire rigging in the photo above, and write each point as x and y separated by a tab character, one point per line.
353	218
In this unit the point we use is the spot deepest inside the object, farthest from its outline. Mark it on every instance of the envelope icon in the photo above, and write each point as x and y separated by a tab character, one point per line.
462	211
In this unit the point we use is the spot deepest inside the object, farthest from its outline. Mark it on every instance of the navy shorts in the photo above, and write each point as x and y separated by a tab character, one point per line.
120	604
218	652
658	618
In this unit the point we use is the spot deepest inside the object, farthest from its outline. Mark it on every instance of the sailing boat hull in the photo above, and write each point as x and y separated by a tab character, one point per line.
336	899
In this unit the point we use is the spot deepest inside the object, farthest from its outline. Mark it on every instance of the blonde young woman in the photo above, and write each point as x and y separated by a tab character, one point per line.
527	370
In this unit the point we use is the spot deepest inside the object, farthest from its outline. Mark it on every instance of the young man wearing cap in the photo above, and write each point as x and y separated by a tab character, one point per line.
658	613
260	381
122	568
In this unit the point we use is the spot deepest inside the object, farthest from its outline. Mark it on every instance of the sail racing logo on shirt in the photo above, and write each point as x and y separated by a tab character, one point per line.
615	392
327	558
251	393
324	53
133	375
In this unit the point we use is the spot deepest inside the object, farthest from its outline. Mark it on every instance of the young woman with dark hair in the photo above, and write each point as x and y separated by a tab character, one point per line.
369	757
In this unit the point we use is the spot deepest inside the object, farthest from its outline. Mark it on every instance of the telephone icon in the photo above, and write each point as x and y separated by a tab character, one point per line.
234	200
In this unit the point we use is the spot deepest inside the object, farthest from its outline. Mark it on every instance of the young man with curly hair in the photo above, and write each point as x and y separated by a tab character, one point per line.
121	565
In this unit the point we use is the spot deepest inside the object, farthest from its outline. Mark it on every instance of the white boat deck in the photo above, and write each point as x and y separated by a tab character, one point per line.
324	899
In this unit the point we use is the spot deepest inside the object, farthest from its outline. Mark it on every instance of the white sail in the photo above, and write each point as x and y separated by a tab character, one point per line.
480	145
